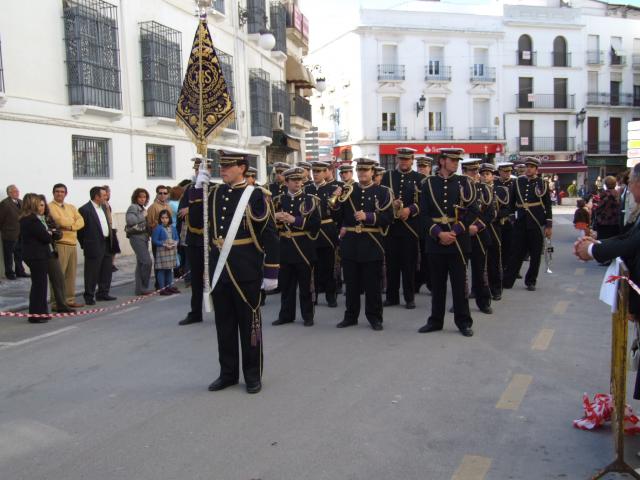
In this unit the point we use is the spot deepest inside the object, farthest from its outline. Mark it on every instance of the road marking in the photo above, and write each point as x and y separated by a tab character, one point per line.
571	289
515	392
542	341
580	271
126	310
561	307
39	337
472	468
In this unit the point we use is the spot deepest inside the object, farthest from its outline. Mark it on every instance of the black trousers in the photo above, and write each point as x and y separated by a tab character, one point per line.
97	272
506	235
195	256
402	259
38	292
494	266
12	253
479	274
234	318
358	277
525	241
292	277
325	280
422	274
451	265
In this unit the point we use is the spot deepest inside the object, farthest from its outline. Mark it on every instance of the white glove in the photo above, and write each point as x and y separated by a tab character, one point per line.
269	284
203	178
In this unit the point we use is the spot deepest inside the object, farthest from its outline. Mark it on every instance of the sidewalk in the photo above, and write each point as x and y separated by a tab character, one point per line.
14	294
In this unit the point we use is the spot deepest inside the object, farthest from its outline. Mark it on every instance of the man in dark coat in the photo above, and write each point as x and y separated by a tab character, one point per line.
10	231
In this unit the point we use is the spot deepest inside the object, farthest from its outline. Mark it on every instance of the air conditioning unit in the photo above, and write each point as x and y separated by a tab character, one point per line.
277	121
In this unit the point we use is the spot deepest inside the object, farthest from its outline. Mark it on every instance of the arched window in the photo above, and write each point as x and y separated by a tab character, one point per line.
525	50
559	54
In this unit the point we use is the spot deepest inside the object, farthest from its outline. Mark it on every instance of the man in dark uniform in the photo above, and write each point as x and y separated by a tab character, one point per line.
346	173
365	210
521	169
277	186
191	204
378	173
307	182
423	164
298	220
327	242
532	205
253	261
251	175
481	241
501	200
506	180
403	241
450	211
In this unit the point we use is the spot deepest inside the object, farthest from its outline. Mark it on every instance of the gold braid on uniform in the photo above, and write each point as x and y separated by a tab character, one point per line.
382	208
485	191
545	187
467	200
507	195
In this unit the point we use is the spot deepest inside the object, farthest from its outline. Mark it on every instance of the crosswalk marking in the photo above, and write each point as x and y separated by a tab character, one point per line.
543	339
515	392
472	468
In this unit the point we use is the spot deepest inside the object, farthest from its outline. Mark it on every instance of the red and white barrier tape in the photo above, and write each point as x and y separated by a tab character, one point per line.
615	278
91	311
599	411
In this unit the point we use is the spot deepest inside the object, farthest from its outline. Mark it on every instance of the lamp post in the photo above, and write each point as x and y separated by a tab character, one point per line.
267	40
420	105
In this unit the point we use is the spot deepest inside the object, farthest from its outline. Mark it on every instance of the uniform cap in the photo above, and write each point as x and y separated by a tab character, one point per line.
505	166
363	163
453	153
379	170
251	172
404	153
295	173
345	168
319	165
280	167
471	164
424	161
531	161
305	165
487	167
227	158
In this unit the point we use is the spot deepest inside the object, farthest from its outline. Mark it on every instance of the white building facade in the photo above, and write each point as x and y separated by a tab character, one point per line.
500	81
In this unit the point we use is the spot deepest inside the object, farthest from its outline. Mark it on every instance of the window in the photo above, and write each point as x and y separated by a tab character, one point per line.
560	93
215	164
90	157
389	114
159	161
560	55
435	121
93	66
281	102
636	90
525	92
257	16
616	51
614	84
226	63
218	5
161	69
279	26
434	67
388	162
260	97
525	53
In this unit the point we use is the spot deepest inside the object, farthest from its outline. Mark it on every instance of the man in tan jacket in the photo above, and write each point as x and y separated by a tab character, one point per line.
161	203
69	221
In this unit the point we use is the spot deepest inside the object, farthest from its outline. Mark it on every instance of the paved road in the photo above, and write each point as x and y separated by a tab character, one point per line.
123	396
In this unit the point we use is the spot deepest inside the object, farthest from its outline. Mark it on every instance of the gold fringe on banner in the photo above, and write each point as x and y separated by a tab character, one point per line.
205	106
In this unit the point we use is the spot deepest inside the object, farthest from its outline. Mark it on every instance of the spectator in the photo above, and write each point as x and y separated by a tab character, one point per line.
114	232
10	230
96	241
572	189
582	218
138	235
607	211
165	238
68	221
37	242
628	206
175	194
161	203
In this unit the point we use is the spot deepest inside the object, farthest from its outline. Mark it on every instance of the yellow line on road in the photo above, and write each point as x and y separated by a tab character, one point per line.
515	392
580	271
571	289
472	468
561	307
542	341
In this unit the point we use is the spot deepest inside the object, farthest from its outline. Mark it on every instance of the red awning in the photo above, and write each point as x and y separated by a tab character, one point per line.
562	167
390	148
341	152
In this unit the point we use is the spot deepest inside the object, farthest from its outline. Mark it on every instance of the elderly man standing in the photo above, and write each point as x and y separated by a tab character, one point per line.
69	221
10	230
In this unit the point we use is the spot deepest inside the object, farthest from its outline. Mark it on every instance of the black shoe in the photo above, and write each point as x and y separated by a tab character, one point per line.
89	301
410	305
466	332
518	276
221	383
280	321
62	310
376	326
114	268
472	295
308	323
332	303
23	275
496	297
429	327
254	387
531	288
488	310
345	324
105	298
39	320
389	303
10	276
189	319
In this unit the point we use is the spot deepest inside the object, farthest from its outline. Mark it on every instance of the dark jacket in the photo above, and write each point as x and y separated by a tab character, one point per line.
405	187
9	223
90	236
328	237
297	240
608	210
532	203
37	243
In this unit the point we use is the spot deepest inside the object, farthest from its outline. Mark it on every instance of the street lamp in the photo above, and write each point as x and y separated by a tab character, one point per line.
321	84
580	116
420	105
267	40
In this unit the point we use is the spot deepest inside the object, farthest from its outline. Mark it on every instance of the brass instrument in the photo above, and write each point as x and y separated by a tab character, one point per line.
347	189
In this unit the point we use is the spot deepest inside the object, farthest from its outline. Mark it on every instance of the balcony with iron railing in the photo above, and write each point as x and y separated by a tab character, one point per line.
561	59
594	147
545	144
437	73
613	99
390	72
617	59
300	107
595	57
398	133
482	74
526	57
545	101
483	133
635	60
445	133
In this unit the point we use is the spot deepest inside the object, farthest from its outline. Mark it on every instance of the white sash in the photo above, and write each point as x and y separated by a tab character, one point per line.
231	235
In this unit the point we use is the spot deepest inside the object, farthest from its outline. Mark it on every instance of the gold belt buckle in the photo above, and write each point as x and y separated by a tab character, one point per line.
286	234
358	228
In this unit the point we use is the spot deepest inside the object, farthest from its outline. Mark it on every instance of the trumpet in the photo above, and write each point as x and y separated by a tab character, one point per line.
340	194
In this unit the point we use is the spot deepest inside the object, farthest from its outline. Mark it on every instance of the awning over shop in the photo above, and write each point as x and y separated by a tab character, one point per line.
562	167
298	73
342	153
286	142
486	148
